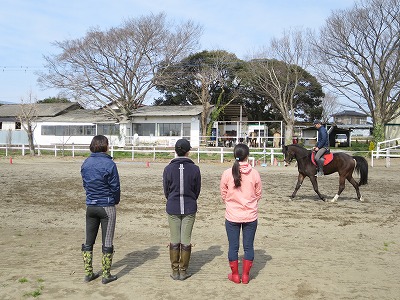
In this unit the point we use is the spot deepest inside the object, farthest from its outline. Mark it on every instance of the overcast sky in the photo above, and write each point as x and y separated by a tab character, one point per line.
29	27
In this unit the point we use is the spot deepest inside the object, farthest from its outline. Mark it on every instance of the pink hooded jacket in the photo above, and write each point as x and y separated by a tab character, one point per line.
242	202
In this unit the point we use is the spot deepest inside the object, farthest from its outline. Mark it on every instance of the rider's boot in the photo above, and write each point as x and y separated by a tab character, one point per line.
320	171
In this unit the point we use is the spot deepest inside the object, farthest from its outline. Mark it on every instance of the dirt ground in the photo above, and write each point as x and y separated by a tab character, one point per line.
304	249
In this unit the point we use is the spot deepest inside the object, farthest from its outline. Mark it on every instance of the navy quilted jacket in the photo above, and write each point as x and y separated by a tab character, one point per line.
100	180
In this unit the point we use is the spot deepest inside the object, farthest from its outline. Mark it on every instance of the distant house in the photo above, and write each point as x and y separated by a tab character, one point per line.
11	130
69	123
355	121
78	127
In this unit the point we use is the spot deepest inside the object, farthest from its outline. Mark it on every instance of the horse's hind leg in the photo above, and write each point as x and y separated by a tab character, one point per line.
315	186
342	180
355	184
300	180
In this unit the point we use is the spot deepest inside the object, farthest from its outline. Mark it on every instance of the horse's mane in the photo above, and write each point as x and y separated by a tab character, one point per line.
298	146
301	148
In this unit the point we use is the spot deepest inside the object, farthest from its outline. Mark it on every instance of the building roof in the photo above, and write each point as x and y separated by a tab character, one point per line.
349	113
43	109
82	116
164	110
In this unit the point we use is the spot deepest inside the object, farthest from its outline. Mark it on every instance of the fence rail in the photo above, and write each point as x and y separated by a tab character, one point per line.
386	149
257	155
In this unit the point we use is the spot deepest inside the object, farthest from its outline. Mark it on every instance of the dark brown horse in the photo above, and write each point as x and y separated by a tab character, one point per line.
342	163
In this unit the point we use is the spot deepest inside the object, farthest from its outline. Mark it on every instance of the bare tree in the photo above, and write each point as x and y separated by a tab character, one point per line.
118	67
330	106
208	77
27	116
279	78
358	55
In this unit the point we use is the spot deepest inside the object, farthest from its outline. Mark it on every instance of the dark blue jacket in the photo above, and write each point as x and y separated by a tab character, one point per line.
182	184
323	140
100	180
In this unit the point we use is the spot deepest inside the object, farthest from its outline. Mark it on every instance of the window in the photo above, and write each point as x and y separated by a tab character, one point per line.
17	125
108	129
186	129
169	129
1	125
69	130
144	129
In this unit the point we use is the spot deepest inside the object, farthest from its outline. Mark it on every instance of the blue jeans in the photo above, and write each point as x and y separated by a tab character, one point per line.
233	232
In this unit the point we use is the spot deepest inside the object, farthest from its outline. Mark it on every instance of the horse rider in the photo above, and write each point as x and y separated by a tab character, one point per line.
321	148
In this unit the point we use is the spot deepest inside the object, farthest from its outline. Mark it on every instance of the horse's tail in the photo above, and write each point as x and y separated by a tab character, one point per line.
362	169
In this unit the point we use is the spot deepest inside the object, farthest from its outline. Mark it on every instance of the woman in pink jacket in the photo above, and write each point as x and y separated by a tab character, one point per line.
241	190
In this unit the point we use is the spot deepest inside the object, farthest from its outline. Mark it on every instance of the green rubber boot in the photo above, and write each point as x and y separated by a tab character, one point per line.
106	261
87	253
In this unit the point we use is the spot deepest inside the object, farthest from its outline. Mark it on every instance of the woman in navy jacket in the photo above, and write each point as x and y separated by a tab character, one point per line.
101	183
182	184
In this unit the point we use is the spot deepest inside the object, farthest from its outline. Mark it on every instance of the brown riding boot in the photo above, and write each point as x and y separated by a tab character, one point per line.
174	255
184	262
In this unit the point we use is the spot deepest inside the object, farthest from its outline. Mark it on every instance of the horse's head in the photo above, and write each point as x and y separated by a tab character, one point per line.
288	155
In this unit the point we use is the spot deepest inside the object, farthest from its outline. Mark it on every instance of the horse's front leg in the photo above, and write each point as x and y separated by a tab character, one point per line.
341	188
315	186
300	180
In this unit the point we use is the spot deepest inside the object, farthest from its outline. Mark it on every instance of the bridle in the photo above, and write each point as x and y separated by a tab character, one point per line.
291	155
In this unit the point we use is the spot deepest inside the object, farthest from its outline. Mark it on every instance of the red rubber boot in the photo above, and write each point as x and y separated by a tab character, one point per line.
247	264
234	276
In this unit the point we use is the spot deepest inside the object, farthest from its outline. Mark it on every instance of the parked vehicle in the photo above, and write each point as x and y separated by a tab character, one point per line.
341	140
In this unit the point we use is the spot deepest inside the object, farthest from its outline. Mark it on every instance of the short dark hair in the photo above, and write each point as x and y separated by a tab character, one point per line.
99	144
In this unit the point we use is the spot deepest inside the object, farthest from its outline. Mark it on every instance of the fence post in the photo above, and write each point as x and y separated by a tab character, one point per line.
198	154
222	155
154	154
387	158
55	150
6	150
23	149
133	152
112	150
272	157
372	158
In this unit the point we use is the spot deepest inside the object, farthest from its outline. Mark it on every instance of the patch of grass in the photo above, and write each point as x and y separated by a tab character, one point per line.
22	280
386	245
35	293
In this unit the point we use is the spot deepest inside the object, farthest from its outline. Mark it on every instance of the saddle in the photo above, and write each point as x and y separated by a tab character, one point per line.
327	158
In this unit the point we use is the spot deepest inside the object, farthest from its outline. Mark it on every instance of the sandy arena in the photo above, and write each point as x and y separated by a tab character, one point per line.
305	249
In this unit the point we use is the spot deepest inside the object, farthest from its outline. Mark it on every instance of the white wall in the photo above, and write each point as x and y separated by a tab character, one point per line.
170	140
78	140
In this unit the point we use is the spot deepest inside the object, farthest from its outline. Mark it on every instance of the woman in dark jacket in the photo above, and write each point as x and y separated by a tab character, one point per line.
182	184
101	183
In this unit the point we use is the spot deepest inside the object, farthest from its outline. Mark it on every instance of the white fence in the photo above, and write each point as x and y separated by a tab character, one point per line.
386	149
257	155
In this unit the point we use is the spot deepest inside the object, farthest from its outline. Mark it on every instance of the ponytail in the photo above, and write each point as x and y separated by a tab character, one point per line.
240	152
236	173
